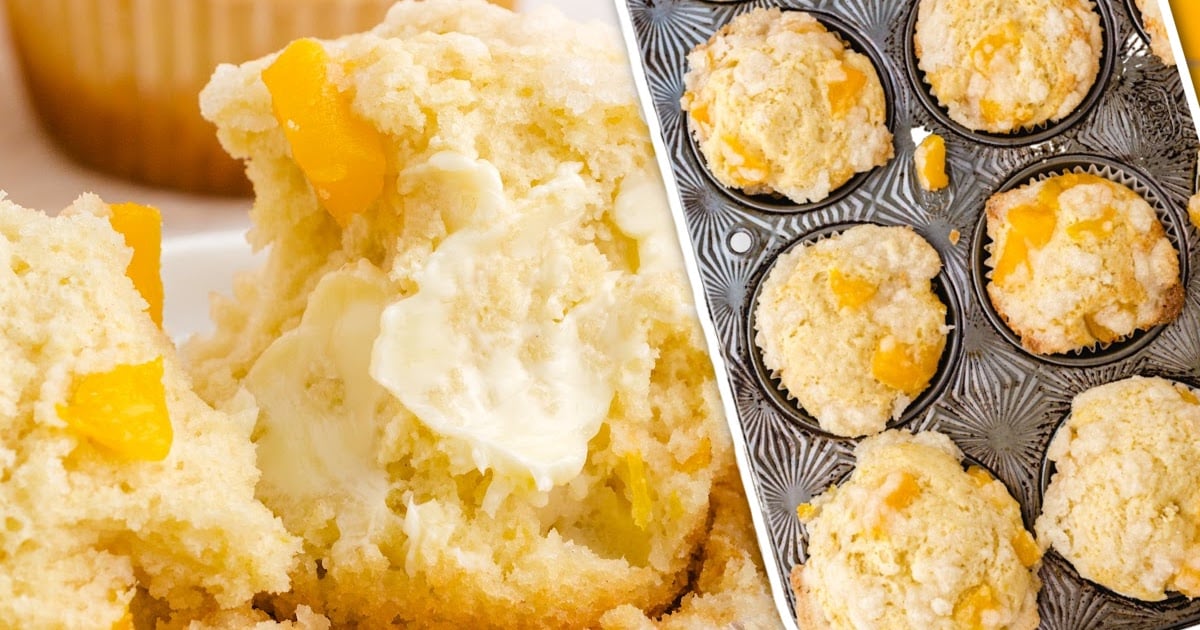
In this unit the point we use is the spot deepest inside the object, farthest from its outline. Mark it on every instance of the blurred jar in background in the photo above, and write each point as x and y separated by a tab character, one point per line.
116	83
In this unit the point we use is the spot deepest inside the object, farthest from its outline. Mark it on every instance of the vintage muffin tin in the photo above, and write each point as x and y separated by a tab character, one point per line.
1000	404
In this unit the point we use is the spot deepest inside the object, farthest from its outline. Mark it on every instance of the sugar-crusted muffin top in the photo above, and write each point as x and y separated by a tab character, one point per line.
1004	65
1079	260
1152	21
851	326
1123	505
117	478
779	104
485	396
918	542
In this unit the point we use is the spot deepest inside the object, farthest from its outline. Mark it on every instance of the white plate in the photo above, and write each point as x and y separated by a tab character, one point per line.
196	265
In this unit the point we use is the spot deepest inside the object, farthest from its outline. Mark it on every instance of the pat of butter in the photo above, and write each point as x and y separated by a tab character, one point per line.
490	351
641	212
318	426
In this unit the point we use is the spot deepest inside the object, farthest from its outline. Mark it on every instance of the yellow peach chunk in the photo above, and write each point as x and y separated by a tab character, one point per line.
843	94
700	459
124	410
985	50
750	167
805	511
1027	550
979	475
851	292
969	610
1187	582
142	228
930	160
905	367
639	490
1187	394
1099	331
340	154
1035	223
900	490
1099	227
124	623
1031	227
1012	257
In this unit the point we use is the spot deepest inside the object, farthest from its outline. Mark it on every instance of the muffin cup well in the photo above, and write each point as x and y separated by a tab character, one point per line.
774	390
1027	136
1114	171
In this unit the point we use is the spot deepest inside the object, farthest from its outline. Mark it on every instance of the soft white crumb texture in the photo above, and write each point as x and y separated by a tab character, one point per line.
83	528
519	262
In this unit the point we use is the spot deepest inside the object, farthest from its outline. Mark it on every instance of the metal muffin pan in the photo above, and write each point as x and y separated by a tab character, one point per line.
1000	404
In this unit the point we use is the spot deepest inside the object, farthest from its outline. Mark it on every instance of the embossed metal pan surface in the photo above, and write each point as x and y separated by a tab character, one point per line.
1000	404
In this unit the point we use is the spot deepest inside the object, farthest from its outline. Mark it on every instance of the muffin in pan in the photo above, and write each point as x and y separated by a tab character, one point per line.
920	542
778	104
1123	506
851	327
1001	66
1079	261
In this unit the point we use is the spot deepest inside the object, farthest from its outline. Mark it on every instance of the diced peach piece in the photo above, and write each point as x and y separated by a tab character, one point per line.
123	410
1035	223
969	610
699	459
1187	582
1187	394
142	228
1028	552
1031	227
979	475
341	155
1099	331
639	490
1012	257
904	367
930	160
805	511
750	167
1099	227
900	490
845	93
985	50
124	623
851	292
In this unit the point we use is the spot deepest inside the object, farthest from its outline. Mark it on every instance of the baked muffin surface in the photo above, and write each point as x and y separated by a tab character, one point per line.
851	327
779	104
1004	65
1077	261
